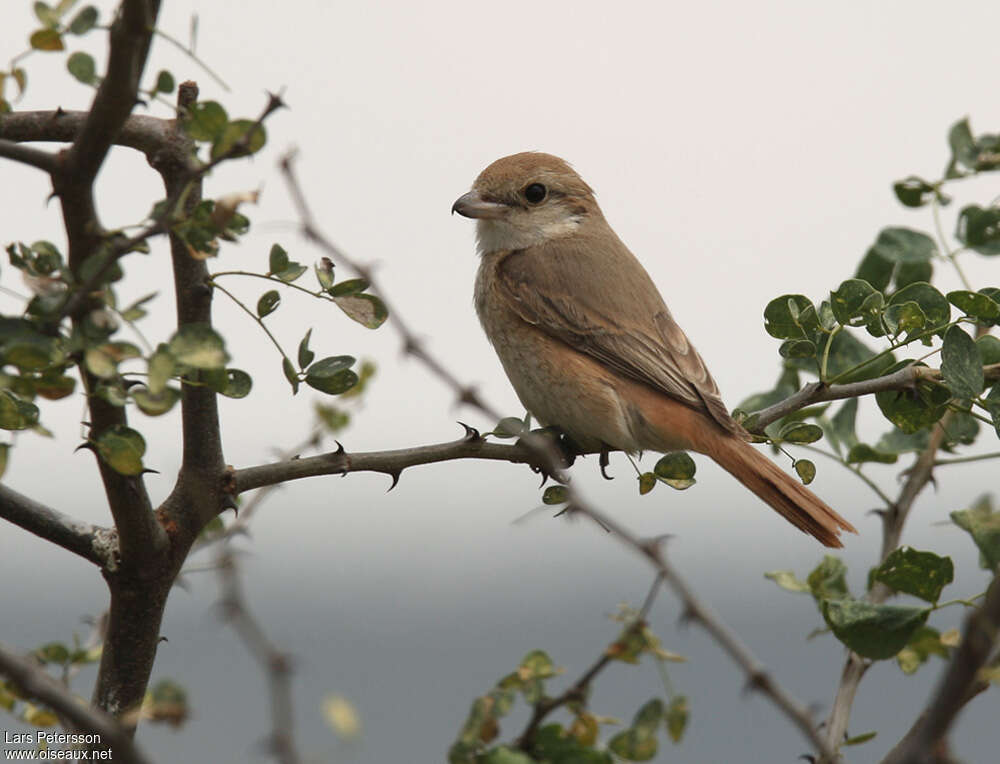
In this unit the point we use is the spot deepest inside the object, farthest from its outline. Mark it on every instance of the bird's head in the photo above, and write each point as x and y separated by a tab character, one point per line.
525	200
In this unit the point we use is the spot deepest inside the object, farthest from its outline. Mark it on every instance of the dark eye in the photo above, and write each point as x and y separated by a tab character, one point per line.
535	192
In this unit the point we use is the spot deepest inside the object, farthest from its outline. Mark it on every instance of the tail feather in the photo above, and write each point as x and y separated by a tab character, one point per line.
792	500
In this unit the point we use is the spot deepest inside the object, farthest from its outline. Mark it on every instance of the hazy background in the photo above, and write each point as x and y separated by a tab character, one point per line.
742	151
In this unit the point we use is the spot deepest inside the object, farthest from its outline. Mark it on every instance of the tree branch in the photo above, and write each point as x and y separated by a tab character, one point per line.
757	677
39	685
959	684
391	463
42	160
818	392
276	664
91	542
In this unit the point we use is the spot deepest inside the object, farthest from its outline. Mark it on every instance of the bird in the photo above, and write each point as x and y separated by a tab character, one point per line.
588	343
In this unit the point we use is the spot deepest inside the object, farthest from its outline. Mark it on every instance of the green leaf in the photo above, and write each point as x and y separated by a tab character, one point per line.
639	742
305	354
861	453
155	404
84	21
16	414
786	580
828	580
290	374
324	273
555	494
935	305
505	755
367	309
989	349
851	301
676	469
240	138
800	432
913	191
961	365
677	717
238	384
198	345
160	369
82	67
122	449
806	470
268	303
332	375
277	260
904	317
4	457
348	287
873	631
983	524
536	665
840	430
509	427
53	652
924	643
913	410
975	304
791	316
859	739
979	229
164	82
899	245
207	120
797	349
963	146
922	574
46	39
46	14
647	482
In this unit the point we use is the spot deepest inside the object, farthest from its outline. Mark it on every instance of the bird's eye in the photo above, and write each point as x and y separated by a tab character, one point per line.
535	193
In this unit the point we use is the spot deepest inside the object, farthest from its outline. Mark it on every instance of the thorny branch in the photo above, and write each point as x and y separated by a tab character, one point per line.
37	684
694	609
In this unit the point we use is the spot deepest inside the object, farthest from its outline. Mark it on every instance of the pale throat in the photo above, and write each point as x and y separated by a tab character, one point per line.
502	235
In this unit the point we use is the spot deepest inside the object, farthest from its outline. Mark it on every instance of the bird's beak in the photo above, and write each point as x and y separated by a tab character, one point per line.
472	205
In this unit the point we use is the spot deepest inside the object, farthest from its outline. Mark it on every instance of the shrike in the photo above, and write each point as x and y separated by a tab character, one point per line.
589	344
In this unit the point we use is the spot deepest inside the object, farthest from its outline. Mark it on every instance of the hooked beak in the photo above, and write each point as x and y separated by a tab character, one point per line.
472	205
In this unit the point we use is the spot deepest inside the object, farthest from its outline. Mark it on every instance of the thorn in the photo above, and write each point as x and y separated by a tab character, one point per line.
87	445
604	461
340	447
545	475
808	757
150	471
128	384
395	479
687	617
757	680
471	433
162	639
468	395
229	502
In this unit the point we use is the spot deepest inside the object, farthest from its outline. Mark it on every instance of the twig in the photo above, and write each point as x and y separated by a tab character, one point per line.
43	160
578	690
757	677
959	684
818	392
277	665
91	542
37	684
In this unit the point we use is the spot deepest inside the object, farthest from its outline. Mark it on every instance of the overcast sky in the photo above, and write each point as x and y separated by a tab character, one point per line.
741	150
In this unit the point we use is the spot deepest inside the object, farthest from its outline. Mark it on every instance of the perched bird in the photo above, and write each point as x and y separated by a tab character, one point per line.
589	344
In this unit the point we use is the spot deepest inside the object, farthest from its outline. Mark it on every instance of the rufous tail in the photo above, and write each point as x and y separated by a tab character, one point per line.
792	500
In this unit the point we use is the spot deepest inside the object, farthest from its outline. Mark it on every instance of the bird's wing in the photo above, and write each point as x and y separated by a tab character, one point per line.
564	288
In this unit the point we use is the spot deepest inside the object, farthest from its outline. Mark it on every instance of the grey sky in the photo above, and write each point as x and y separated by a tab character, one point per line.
741	150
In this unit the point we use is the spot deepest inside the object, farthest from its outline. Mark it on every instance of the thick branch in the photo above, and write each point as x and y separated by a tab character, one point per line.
390	463
91	542
131	34
959	684
817	392
35	683
42	160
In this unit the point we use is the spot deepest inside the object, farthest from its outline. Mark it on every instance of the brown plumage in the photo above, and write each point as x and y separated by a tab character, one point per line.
587	341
